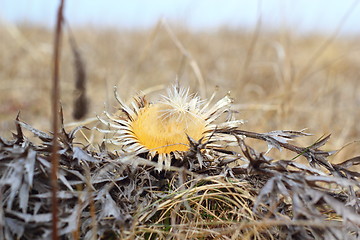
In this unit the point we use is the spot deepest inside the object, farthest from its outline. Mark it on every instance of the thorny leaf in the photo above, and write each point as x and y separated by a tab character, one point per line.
349	163
83	155
273	138
344	167
19	177
42	135
19	136
30	218
13	227
110	208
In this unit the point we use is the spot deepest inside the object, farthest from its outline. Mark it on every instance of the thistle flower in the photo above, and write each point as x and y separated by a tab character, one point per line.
163	128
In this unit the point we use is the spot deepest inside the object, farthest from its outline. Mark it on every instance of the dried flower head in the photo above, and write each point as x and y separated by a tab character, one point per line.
163	128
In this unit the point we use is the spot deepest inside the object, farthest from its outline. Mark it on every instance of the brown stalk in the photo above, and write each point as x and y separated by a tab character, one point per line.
55	124
81	102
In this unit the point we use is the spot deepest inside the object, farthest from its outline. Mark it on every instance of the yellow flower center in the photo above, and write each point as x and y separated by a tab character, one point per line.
163	129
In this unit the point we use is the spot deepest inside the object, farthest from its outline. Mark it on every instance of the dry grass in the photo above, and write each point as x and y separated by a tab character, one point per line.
271	90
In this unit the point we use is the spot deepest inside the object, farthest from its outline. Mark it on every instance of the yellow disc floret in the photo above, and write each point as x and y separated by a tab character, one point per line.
163	129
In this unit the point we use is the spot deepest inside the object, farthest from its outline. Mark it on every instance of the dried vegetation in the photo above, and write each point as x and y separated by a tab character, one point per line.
302	192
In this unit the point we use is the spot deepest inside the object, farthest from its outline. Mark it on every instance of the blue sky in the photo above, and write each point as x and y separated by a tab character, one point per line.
300	15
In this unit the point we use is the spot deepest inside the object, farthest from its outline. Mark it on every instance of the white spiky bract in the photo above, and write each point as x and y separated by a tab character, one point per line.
162	128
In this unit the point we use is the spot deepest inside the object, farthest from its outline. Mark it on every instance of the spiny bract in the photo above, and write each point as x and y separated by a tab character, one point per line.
163	128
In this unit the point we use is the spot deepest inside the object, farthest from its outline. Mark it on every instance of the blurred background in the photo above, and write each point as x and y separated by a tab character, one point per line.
288	64
303	15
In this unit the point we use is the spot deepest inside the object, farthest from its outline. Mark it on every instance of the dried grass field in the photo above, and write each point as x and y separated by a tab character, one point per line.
278	80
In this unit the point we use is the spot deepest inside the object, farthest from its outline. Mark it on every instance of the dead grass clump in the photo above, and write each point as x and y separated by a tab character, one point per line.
205	207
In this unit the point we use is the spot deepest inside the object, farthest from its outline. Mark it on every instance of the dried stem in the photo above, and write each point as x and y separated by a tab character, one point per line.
55	115
193	64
